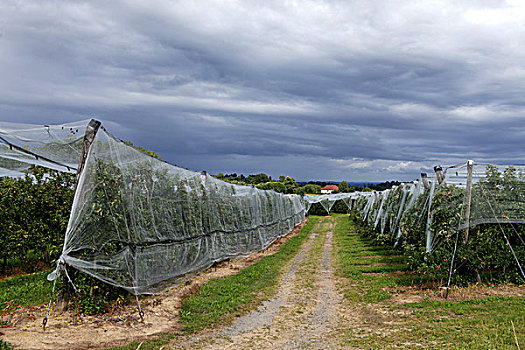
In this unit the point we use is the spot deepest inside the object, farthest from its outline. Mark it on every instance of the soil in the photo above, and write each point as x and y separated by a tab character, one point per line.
308	310
303	314
68	330
414	294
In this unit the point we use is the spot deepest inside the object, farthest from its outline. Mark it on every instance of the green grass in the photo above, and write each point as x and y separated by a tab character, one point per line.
25	290
220	300
351	254
310	264
470	324
151	344
430	324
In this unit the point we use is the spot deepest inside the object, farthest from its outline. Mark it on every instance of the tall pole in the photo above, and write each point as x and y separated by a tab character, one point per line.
468	199
439	175
424	179
89	137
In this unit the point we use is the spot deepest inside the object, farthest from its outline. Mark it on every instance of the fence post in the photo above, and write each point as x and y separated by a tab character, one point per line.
424	179
439	175
89	137
468	199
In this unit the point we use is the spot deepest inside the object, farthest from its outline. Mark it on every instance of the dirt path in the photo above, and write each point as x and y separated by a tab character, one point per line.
70	331
304	314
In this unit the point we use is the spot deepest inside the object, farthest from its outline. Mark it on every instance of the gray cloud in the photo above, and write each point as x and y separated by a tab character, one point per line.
318	90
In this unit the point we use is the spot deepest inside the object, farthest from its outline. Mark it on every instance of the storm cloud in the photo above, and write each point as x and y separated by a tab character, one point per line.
332	90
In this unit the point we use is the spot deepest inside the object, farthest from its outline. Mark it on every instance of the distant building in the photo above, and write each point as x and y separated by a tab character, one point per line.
329	189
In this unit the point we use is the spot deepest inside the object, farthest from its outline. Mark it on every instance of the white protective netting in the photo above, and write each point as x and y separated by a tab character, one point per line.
140	223
476	194
384	210
52	146
497	193
327	201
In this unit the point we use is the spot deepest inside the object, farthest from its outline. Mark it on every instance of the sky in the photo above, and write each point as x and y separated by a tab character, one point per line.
317	90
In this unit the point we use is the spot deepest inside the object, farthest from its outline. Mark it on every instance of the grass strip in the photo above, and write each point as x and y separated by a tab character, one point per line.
307	271
352	251
429	324
25	290
469	324
220	300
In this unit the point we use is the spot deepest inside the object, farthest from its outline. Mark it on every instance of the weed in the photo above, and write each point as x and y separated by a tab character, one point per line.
5	345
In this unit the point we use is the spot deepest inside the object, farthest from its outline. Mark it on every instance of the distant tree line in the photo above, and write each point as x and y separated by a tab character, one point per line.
287	184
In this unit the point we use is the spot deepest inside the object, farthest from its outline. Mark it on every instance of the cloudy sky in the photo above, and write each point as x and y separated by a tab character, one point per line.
329	90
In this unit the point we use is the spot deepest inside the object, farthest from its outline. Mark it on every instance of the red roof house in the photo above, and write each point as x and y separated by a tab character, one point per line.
329	189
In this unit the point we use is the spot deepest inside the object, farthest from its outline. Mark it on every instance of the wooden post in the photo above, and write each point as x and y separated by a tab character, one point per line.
89	137
439	175
468	199
425	181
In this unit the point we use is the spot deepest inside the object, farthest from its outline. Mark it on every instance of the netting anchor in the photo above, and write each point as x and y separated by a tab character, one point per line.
141	313
44	321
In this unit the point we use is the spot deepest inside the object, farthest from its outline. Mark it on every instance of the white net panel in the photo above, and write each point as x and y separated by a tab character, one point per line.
497	193
327	201
385	210
52	146
140	223
469	195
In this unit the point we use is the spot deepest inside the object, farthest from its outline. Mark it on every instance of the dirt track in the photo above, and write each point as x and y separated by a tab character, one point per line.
302	315
69	331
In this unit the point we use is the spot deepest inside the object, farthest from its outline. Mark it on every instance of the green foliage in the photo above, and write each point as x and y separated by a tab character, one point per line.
286	184
93	296
272	185
308	189
147	151
290	184
258	179
343	187
486	257
5	345
34	212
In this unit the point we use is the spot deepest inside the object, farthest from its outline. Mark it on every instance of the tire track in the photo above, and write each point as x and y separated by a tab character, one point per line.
302	315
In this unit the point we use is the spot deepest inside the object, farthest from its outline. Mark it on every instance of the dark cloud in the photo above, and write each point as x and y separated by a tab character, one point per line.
317	90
